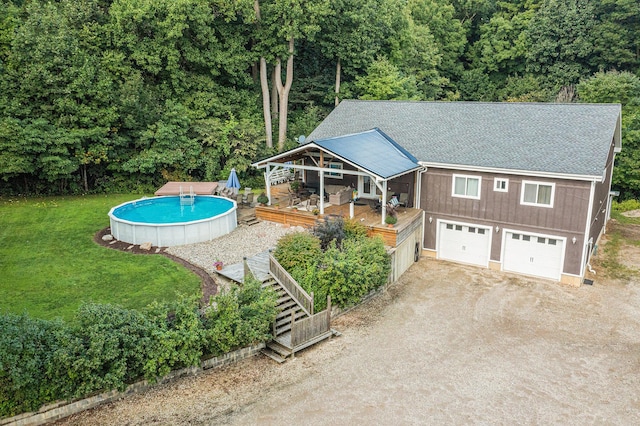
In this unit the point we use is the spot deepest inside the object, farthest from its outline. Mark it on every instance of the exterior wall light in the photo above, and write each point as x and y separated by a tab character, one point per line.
573	240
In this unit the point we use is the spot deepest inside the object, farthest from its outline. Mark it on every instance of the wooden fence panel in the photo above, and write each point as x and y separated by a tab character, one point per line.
308	328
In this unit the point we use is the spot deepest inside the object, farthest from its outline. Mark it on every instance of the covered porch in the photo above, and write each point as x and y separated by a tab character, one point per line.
367	173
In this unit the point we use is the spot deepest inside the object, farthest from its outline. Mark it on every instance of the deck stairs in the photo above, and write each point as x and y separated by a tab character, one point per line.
295	327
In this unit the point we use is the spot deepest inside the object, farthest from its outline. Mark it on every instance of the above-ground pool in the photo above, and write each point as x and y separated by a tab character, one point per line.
170	221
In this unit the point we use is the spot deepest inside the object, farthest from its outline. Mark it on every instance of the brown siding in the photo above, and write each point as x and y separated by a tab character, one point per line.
567	218
600	200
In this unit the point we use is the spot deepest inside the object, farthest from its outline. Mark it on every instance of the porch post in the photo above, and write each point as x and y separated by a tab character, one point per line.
267	182
321	192
384	201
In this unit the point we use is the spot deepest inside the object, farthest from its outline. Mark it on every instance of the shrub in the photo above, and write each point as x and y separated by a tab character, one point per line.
625	206
354	229
26	346
239	317
349	274
109	346
390	220
263	199
298	250
330	229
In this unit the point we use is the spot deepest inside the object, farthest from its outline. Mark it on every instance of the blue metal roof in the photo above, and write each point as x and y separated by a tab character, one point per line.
373	151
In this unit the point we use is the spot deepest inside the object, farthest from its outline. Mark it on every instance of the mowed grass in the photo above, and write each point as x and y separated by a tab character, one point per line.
49	263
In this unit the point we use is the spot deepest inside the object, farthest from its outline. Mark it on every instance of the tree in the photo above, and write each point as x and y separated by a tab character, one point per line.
624	88
384	81
560	42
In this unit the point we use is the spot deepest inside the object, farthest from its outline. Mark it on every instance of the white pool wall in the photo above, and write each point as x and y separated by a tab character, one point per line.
173	234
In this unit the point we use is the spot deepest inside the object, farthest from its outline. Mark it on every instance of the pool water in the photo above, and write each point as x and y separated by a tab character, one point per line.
169	210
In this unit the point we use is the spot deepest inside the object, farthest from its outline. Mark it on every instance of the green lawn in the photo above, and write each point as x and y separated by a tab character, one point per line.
49	263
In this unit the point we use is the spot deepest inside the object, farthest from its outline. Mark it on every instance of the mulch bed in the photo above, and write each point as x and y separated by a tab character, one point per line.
208	285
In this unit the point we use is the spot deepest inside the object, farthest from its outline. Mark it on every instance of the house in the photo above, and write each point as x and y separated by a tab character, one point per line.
519	187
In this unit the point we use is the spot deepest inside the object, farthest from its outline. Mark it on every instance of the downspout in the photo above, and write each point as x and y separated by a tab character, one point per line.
585	255
417	196
589	257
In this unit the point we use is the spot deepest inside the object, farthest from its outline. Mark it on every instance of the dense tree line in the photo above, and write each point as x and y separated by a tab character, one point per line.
107	95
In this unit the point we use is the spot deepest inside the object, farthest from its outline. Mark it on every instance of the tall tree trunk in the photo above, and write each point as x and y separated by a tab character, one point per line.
266	111
264	84
338	70
274	93
283	92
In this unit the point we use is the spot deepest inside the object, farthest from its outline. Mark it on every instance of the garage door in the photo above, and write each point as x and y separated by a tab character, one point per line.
464	243
533	255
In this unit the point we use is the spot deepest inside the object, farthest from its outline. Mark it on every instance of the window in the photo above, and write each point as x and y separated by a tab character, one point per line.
501	185
466	186
333	165
526	238
449	226
537	194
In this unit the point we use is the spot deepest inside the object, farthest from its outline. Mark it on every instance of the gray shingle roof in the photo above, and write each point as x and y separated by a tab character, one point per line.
373	151
550	138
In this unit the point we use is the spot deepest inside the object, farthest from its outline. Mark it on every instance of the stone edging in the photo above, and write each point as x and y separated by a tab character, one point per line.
61	409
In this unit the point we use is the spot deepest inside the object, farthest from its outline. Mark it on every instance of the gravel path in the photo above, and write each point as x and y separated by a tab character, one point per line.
231	248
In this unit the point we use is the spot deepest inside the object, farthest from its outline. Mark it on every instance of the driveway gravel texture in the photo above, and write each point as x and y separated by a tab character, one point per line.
446	344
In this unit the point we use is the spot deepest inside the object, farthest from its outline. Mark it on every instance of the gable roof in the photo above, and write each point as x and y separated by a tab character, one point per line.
541	137
372	151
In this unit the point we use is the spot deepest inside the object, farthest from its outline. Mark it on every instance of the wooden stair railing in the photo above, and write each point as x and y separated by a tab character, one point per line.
293	288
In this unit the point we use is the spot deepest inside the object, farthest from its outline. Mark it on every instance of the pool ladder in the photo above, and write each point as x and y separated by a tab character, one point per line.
187	199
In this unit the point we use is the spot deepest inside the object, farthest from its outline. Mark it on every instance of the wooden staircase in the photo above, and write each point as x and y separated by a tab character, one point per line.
295	327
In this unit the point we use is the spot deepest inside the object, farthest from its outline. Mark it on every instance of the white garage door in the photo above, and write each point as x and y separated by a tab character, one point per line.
464	243
533	255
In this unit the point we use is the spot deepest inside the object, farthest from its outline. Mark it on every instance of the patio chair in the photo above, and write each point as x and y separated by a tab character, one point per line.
294	199
404	199
239	198
312	201
249	199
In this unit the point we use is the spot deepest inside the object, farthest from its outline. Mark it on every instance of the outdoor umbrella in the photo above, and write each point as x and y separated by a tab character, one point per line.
233	181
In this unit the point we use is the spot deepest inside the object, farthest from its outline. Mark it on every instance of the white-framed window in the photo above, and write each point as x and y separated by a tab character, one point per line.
537	193
335	165
501	184
466	186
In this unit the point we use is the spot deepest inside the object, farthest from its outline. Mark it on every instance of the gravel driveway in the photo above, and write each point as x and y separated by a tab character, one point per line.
447	344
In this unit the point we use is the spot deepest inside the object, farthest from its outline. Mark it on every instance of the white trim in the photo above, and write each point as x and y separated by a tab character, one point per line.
549	175
498	189
506	231
587	228
470	225
466	177
537	183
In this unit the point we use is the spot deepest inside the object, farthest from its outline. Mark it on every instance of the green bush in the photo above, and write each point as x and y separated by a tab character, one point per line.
354	229
26	348
108	347
349	274
298	250
346	272
239	317
625	206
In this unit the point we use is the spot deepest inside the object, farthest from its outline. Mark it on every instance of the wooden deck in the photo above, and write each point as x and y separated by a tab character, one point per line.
362	213
199	188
